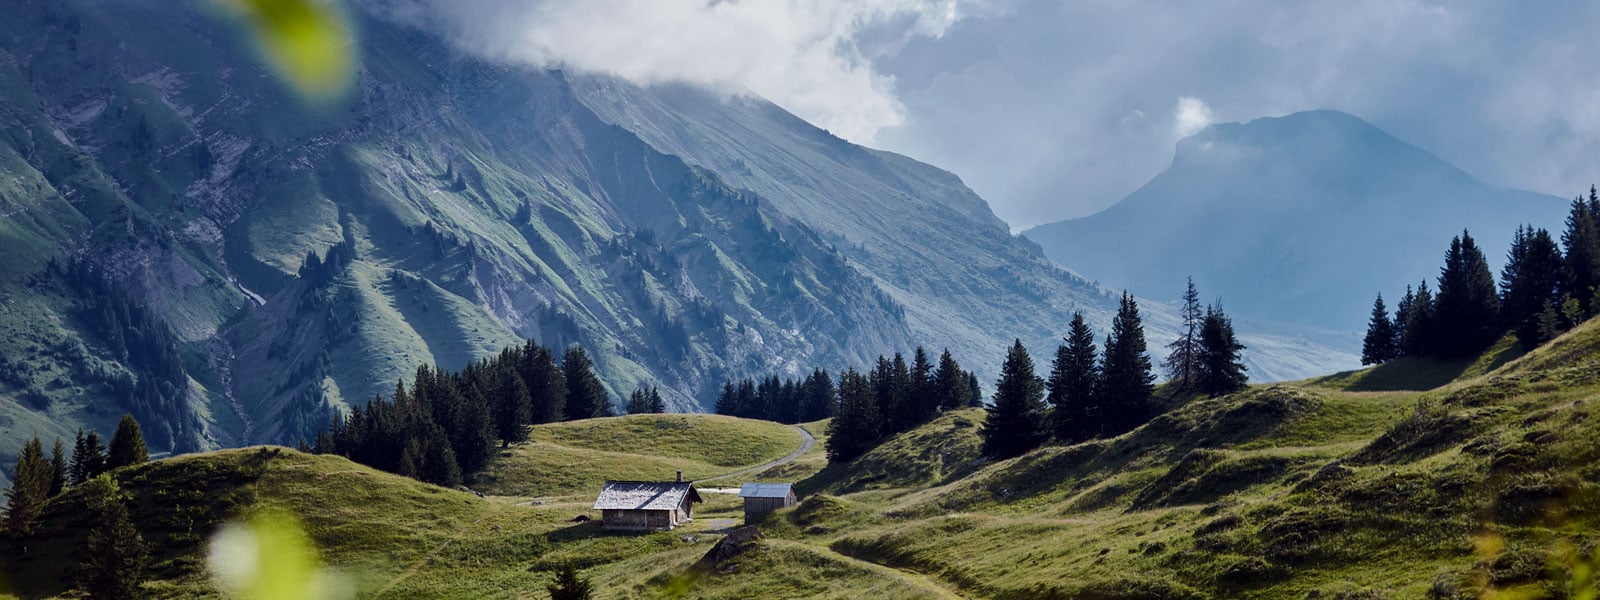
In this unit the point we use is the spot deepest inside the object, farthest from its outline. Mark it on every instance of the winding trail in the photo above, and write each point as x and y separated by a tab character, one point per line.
806	442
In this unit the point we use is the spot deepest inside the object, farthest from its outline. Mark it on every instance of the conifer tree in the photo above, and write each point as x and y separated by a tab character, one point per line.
923	397
1073	379
950	383
976	389
1013	424
127	445
902	410
58	468
1402	317
513	409
88	459
547	384
472	433
638	402
568	586
1468	306
1125	377
1420	323
820	396
30	490
1182	365
728	400
114	553
1222	370
1530	281
1582	241
1380	345
854	428
656	404
586	396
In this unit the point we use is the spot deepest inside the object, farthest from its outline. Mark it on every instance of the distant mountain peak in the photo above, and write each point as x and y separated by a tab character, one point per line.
1297	219
1317	144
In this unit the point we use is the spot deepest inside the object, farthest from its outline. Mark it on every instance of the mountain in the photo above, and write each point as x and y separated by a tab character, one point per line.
921	234
165	197
1298	219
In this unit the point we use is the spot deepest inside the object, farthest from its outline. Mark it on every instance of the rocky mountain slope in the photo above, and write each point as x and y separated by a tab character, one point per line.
164	195
1298	219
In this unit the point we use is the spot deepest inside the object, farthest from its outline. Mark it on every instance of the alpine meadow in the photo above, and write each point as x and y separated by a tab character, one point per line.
624	299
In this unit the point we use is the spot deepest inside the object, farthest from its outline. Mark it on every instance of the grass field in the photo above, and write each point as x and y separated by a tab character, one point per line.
578	456
1484	485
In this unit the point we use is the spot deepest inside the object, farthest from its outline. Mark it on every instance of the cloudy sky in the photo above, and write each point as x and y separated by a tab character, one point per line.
1053	109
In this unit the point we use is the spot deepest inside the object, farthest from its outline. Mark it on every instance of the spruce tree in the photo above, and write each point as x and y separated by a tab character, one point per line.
1582	261
586	396
975	400
1126	380
77	473
30	490
114	553
1530	281
854	428
1013	424
472	434
1182	365
58	468
127	445
656	404
821	396
1420	324
638	402
1222	369
923	397
1380	345
513	409
728	400
1468	306
1402	317
950	383
547	385
1073	379
568	586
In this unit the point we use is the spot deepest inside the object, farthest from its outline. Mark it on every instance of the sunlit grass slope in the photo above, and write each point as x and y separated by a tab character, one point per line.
578	456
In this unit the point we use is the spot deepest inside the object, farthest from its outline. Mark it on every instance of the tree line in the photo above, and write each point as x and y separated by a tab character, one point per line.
114	554
1544	290
892	397
1091	394
444	427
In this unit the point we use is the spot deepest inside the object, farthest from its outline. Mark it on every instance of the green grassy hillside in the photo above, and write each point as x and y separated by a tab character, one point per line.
574	457
1484	486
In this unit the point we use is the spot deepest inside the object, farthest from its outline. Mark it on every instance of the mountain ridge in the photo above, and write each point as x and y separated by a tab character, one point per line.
1337	210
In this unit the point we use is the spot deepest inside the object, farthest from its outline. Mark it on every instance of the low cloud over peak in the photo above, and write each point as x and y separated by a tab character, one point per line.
806	55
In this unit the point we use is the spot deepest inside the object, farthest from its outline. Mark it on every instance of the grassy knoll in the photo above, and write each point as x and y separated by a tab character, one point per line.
576	457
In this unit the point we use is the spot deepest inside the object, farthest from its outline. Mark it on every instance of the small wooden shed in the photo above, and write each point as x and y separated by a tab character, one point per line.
646	505
763	498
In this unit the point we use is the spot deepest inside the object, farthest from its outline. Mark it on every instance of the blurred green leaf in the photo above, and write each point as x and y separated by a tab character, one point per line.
269	557
309	42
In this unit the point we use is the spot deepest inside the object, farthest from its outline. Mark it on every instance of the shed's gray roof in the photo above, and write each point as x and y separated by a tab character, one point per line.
644	495
764	490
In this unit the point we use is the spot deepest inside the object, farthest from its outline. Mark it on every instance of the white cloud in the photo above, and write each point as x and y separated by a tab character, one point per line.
802	54
1191	116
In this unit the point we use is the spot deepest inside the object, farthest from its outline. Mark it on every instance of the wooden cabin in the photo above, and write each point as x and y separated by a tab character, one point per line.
763	498
646	505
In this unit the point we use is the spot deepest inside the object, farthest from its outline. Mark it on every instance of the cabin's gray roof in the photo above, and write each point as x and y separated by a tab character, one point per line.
765	490
644	495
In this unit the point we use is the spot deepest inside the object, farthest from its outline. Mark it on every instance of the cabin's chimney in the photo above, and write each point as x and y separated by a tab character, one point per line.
680	475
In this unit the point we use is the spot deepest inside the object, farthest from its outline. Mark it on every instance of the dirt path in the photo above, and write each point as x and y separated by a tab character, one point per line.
806	442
